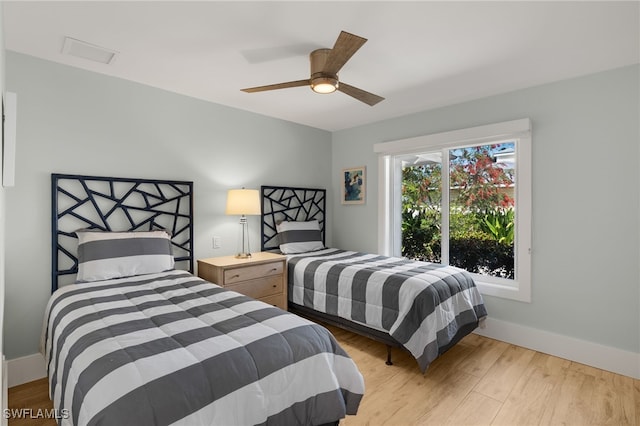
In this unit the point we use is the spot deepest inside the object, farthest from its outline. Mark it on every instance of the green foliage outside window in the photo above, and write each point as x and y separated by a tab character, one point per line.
481	218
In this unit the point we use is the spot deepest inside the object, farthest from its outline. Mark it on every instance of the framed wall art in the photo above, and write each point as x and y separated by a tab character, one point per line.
354	185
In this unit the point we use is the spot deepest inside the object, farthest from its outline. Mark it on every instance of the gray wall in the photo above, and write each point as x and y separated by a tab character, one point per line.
586	186
74	121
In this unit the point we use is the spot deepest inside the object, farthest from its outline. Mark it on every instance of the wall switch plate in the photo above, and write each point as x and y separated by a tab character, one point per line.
217	241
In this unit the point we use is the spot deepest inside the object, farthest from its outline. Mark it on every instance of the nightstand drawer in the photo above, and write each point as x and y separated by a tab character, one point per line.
259	287
251	272
277	300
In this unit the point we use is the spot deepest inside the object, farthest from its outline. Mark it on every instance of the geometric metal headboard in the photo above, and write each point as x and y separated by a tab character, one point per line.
292	204
117	204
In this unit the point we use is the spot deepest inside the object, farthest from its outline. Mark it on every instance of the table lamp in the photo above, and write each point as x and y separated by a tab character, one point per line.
243	202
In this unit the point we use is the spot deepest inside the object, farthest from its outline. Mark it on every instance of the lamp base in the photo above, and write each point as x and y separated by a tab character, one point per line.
243	256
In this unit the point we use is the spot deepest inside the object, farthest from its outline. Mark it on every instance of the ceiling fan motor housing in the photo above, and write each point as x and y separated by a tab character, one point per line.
321	82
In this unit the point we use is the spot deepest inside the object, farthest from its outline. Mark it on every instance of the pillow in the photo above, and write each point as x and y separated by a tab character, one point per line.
299	237
107	255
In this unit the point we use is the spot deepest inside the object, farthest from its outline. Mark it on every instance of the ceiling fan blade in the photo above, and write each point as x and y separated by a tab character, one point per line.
346	45
361	95
286	85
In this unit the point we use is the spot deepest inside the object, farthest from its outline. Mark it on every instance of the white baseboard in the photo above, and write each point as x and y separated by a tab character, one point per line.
5	394
31	367
593	354
25	369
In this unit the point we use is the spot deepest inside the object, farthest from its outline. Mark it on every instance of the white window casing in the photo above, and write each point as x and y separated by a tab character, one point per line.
390	180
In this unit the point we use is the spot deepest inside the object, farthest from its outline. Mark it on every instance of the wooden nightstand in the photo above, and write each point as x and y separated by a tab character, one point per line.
263	276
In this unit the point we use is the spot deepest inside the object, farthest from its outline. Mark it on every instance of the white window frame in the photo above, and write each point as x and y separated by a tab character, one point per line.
389	188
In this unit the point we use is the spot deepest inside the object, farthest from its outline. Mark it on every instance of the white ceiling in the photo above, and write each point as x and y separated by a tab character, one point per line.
420	55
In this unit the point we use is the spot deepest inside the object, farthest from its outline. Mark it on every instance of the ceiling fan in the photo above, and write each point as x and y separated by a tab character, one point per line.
325	64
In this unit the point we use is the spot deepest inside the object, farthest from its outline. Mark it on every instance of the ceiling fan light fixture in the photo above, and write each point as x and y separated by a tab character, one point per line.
324	84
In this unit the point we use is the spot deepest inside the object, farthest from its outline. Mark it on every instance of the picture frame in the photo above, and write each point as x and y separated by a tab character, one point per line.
354	185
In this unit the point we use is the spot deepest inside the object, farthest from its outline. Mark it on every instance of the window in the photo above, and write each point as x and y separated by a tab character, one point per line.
462	198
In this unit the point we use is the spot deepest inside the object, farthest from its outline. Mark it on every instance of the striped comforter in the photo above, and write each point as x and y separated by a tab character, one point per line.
426	307
171	348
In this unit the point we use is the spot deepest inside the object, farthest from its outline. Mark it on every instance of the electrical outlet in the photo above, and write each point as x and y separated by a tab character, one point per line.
217	241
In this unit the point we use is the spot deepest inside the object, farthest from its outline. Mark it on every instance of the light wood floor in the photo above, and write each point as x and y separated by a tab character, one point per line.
35	396
479	381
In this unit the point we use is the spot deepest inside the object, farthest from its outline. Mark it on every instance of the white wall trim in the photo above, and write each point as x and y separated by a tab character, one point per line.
593	354
5	392
25	369
487	132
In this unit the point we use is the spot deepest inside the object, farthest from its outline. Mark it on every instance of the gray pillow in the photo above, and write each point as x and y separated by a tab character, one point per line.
299	237
107	255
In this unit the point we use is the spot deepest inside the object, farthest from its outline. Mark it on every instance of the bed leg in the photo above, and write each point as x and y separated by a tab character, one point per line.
389	356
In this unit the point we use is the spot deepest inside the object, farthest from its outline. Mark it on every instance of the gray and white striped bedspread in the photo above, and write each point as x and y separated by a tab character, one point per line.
171	348
424	306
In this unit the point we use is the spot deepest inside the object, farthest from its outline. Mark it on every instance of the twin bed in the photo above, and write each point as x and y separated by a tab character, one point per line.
135	338
423	307
140	341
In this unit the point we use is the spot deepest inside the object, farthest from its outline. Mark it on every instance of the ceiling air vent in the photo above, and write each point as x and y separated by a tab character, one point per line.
89	51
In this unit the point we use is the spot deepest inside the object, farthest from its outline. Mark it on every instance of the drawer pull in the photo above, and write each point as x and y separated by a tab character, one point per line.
235	276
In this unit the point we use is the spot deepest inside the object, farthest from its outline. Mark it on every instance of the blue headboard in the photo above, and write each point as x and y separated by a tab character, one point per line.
117	204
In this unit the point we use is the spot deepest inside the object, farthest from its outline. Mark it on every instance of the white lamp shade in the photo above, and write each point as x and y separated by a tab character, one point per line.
243	201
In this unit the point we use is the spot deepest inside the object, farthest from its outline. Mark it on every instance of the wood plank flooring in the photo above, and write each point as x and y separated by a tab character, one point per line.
482	381
31	396
479	381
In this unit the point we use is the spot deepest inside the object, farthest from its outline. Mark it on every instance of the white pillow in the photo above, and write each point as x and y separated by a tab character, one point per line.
107	255
299	237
